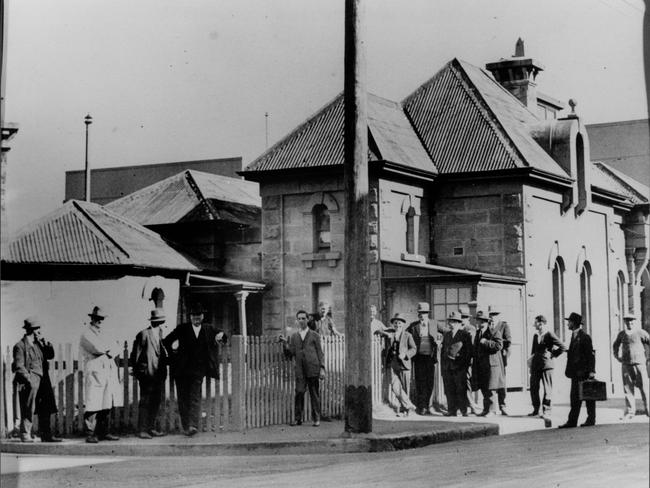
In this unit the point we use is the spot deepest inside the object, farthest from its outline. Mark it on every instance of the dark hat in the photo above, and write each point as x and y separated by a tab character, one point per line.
454	317
481	315
196	309
157	315
423	307
97	312
31	323
629	316
493	311
398	318
576	318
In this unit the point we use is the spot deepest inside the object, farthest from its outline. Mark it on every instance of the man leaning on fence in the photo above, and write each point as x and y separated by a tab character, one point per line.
305	348
196	356
102	389
149	361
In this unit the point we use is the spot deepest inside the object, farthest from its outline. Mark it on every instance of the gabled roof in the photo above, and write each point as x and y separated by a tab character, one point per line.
318	142
469	123
607	178
87	233
190	196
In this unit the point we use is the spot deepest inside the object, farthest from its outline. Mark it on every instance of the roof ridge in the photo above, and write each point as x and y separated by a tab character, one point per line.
295	132
96	227
147	190
189	178
617	175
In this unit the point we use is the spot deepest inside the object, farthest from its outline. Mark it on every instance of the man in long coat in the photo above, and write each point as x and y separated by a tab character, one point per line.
580	365
487	369
305	348
149	362
102	388
197	356
504	330
28	368
455	358
45	401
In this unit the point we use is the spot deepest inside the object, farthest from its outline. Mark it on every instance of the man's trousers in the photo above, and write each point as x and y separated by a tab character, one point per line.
545	377
634	375
455	383
188	393
313	385
423	370
576	403
149	404
27	400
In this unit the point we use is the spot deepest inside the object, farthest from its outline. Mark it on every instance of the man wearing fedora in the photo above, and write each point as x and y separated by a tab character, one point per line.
28	368
629	351
425	335
580	365
401	348
504	330
455	358
149	361
487	368
472	397
102	388
197	356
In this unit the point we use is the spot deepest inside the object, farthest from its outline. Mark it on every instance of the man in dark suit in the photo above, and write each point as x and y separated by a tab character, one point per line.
28	368
487	369
149	362
504	329
546	347
580	365
45	401
455	358
401	348
305	348
425	335
197	356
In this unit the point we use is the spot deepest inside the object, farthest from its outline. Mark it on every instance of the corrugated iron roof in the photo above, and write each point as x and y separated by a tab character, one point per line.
318	142
470	123
87	233
605	177
192	195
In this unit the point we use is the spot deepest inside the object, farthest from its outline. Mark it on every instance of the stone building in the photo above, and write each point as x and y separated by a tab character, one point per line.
481	195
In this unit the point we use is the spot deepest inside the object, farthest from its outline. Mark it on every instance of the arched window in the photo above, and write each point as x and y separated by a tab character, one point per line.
620	299
558	297
585	295
410	231
322	236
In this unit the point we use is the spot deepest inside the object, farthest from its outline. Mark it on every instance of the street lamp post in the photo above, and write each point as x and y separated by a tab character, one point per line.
87	120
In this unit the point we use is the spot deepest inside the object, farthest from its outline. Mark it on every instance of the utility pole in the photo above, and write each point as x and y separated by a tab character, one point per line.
87	120
358	367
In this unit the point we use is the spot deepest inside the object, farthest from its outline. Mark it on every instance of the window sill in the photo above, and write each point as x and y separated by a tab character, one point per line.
332	258
414	258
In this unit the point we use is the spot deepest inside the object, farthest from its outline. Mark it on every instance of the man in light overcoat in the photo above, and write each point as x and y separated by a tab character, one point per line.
487	368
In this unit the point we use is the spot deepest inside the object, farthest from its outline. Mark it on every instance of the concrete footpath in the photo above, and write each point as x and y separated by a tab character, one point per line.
389	433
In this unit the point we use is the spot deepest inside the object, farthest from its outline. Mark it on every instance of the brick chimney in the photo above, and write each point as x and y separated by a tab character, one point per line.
517	75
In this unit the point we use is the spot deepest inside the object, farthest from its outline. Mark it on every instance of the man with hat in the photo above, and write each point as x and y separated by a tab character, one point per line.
197	356
580	365
401	348
472	397
455	356
149	361
28	368
504	329
629	351
425	335
102	389
487	369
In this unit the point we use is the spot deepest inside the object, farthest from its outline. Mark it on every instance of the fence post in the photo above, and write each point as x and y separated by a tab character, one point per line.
4	421
238	390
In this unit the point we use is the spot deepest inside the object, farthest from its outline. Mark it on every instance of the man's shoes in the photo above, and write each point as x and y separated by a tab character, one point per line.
588	423
486	413
567	426
157	433
144	435
26	438
109	437
504	411
464	414
191	431
295	423
450	414
316	423
534	413
51	439
91	439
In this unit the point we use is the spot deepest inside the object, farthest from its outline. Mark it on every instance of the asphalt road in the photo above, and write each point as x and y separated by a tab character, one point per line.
602	456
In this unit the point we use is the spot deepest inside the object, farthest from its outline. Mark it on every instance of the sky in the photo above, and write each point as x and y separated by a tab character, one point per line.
174	80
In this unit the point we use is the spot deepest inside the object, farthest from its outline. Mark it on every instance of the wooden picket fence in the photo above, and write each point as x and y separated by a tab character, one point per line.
255	389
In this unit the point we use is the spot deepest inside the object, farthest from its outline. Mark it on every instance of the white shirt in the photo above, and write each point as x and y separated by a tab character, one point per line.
196	329
303	332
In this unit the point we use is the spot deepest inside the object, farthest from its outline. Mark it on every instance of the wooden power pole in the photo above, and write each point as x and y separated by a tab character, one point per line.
358	392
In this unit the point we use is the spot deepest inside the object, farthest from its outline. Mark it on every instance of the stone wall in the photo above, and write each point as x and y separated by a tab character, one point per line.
479	226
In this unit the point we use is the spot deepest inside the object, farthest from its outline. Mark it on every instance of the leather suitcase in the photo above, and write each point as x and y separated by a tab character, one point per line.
592	390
